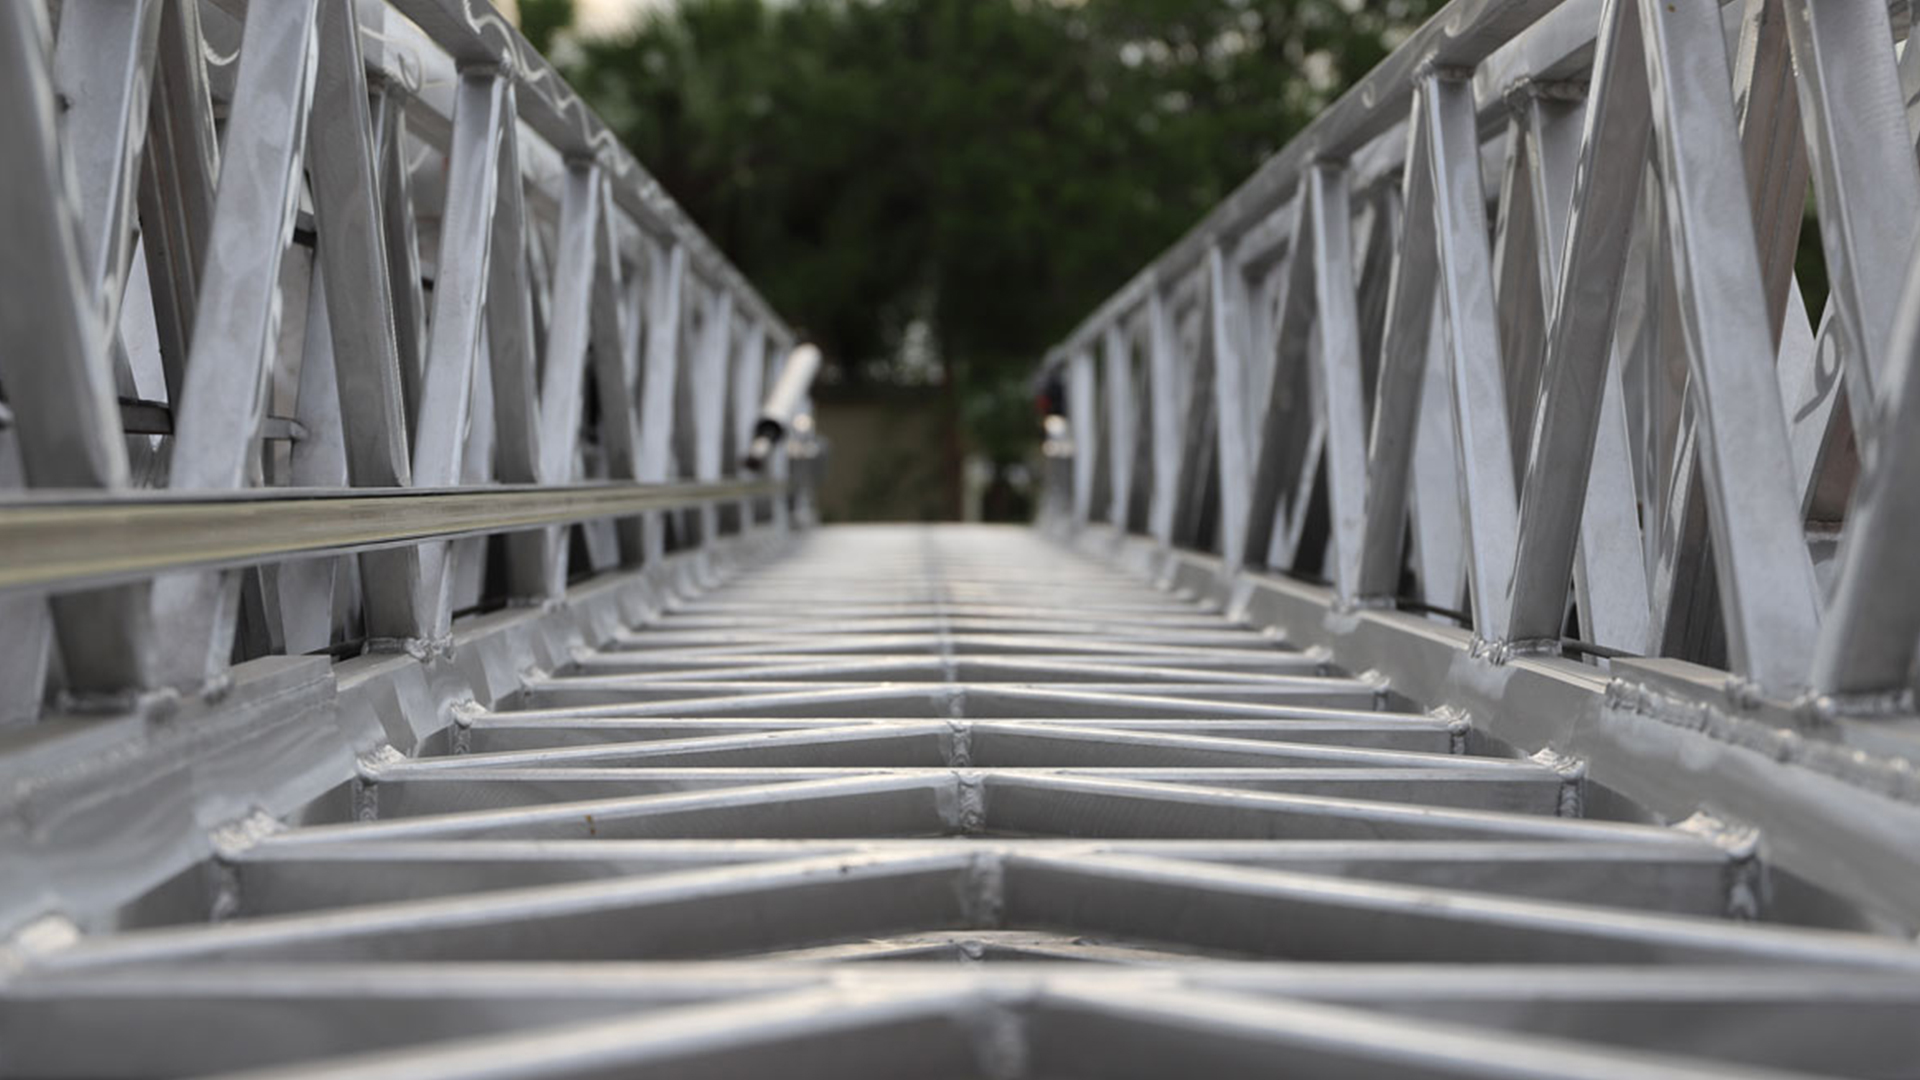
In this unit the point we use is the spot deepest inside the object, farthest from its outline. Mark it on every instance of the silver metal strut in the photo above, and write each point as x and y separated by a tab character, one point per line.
1440	656
1094	828
1614	423
1498	382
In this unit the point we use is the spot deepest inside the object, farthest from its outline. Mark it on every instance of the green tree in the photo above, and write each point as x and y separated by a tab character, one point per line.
986	170
542	20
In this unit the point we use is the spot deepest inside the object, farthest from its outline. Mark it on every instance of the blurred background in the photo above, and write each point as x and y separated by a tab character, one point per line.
936	191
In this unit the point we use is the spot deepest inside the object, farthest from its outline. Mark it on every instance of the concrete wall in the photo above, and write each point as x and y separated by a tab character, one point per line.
892	458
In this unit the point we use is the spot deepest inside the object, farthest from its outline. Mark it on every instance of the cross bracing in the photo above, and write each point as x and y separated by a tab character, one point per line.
1473	633
1093	829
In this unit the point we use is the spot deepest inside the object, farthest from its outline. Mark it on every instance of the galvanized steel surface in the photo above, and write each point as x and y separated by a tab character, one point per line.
683	850
305	267
1616	417
1127	796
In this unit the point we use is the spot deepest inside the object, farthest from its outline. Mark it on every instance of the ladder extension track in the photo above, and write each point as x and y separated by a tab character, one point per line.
1097	829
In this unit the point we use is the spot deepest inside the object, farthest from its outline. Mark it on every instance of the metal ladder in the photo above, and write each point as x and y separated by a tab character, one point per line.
1155	840
468	704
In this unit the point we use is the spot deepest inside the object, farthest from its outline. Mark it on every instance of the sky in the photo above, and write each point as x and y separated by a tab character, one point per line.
602	15
596	16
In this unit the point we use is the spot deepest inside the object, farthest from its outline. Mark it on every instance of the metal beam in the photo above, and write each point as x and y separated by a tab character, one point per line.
66	542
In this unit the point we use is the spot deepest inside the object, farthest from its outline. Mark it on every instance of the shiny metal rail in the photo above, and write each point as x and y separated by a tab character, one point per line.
66	542
1095	829
383	679
295	280
352	371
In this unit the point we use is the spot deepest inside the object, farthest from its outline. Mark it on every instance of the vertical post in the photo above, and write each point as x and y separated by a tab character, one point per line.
236	320
1122	423
1465	271
58	377
1293	429
554	432
522	443
709	378
1169	414
664	315
483	107
1586	294
1610	571
1439	558
1399	390
522	439
1083	404
748	378
298	594
1236	467
1778	168
615	368
1198	447
403	250
1519	279
363	356
1768	595
779	467
1376	262
1345	451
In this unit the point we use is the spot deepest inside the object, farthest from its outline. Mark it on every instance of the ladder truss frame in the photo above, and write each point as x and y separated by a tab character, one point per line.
355	372
1496	324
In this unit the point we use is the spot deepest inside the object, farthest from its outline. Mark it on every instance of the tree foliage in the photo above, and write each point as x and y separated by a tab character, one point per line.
985	170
